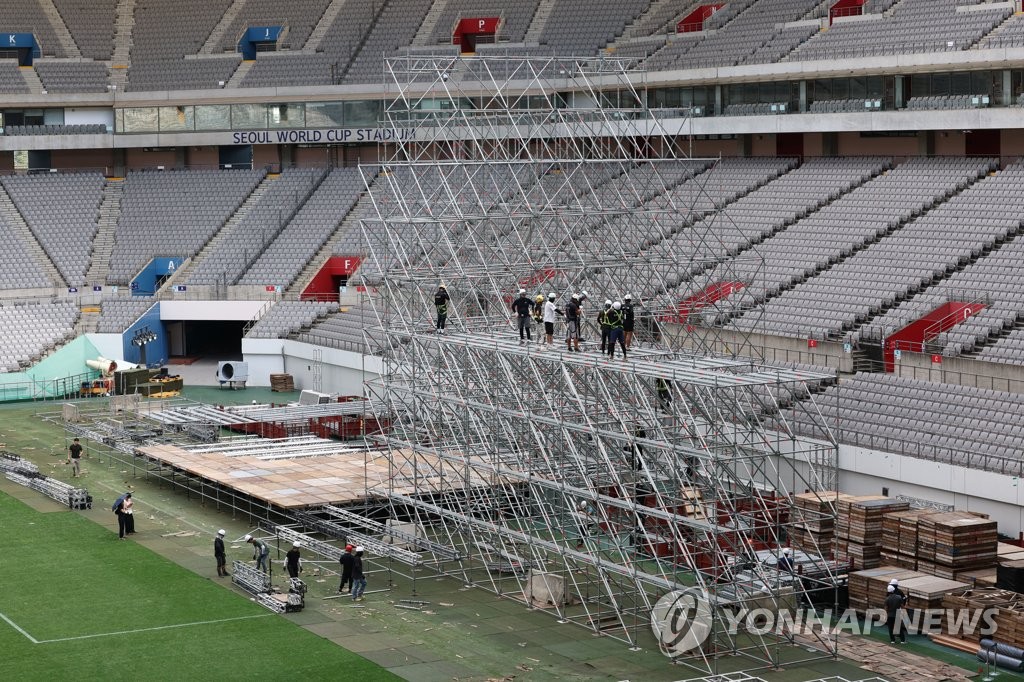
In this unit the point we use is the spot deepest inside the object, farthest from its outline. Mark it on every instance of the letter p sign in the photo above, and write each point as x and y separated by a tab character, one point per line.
481	24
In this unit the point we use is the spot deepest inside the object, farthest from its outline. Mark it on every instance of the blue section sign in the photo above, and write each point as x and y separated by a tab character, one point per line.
24	43
255	35
153	275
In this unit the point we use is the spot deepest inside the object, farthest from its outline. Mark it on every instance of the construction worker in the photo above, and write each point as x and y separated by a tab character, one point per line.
615	319
664	390
572	324
628	319
293	560
550	310
785	562
602	321
522	307
538	308
346	560
260	552
220	554
441	299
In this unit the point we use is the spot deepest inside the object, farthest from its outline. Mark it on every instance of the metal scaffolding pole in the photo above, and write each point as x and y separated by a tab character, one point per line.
587	486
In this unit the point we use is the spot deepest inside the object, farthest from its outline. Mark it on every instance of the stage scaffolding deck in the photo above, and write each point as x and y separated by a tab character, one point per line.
618	481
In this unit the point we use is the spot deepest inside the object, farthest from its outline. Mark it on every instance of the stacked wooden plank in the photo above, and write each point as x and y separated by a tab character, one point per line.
814	527
868	587
859	529
282	383
968	603
899	538
951	542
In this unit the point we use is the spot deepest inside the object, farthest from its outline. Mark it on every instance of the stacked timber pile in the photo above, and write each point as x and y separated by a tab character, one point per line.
899	538
971	603
859	529
954	542
282	383
814	516
868	589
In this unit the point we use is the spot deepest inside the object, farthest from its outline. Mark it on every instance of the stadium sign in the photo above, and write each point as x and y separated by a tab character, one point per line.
329	136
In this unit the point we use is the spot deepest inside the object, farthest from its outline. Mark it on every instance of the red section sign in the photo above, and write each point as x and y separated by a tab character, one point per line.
937	359
812	343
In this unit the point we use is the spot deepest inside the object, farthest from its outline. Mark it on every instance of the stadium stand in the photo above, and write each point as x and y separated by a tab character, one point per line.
117	313
344	329
41	326
837	285
571	32
72	76
174	213
18	269
299	17
91	23
61	210
308	230
30	17
955	424
911	26
164	34
239	245
395	27
73	129
11	81
285	318
515	17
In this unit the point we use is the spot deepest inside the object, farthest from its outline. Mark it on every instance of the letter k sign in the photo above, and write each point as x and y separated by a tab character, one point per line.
10	39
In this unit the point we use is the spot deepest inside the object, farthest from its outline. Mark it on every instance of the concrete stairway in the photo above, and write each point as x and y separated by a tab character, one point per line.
349	223
67	43
124	24
634	30
316	37
10	213
539	21
240	73
35	85
213	41
183	273
103	242
422	38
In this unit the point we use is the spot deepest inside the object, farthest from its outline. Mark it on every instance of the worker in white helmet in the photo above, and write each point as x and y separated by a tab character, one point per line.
615	319
550	311
628	319
293	560
572	323
522	307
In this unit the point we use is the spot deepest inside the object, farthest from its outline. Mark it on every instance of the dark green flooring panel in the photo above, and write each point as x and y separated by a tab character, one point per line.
65	578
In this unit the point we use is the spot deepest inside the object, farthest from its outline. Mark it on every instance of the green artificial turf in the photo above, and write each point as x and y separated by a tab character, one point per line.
104	609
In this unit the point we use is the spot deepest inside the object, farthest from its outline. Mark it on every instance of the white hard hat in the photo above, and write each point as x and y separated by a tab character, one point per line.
222	532
522	291
894	582
359	548
576	296
617	305
890	589
628	297
786	551
608	301
585	294
247	537
296	544
583	504
551	295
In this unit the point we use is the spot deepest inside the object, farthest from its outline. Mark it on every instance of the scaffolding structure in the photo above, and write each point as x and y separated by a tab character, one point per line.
587	486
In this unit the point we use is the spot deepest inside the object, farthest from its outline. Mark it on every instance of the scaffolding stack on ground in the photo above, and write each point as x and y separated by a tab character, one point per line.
611	483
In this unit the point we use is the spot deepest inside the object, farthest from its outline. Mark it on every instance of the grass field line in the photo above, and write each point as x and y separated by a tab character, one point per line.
129	632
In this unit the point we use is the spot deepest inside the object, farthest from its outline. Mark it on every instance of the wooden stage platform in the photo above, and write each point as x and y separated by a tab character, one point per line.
342	477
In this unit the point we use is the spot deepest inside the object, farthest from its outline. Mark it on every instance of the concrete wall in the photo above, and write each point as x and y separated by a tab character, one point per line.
140	158
342	371
202	156
964	371
266	155
102	159
852	144
772	348
209	310
950	143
